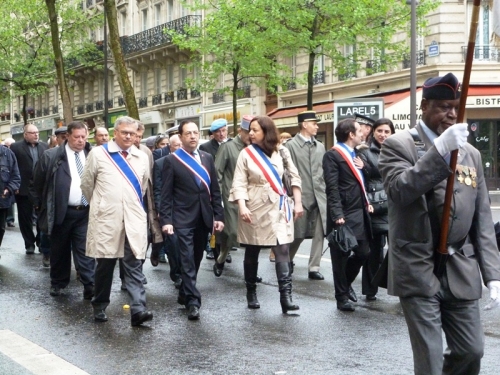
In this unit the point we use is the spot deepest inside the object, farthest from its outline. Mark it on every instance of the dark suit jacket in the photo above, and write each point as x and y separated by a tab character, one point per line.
344	196
25	162
183	200
211	147
161	152
157	180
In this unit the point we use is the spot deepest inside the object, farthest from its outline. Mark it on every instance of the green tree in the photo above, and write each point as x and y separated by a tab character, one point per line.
229	41
348	32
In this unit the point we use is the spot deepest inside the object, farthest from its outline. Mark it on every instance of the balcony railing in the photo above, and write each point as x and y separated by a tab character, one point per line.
420	59
319	77
156	36
38	113
292	85
143	102
121	101
347	75
89	107
156	99
195	94
80	110
244	92
217	97
169	97
483	53
110	103
372	67
99	105
182	94
55	109
46	111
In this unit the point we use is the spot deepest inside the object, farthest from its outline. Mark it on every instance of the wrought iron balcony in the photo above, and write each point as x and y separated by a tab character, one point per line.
156	36
217	97
244	92
420	59
110	103
195	94
319	77
157	99
46	111
80	110
483	53
55	109
38	113
121	101
89	107
347	75
90	3
99	105
182	94
372	67
291	85
143	102
169	97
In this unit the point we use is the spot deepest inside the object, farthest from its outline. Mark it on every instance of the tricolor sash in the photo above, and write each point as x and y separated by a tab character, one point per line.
354	171
198	170
271	174
126	171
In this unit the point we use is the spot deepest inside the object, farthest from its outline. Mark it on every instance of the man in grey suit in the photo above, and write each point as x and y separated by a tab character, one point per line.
415	181
307	155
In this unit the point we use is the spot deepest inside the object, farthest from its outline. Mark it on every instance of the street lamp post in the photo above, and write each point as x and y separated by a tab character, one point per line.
105	69
413	62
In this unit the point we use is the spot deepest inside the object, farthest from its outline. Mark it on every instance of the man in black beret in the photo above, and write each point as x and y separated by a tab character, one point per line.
415	180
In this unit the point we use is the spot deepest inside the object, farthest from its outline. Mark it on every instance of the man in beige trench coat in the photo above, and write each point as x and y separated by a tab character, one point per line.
114	181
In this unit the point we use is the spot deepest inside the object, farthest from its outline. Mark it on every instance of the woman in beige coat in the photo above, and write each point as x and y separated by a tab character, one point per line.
265	211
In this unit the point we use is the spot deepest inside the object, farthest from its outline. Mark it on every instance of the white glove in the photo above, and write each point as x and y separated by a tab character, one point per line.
452	139
494	287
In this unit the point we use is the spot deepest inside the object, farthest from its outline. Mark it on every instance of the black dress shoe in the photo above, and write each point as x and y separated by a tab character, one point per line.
100	316
315	275
30	250
194	313
141	317
210	255
123	286
371	297
352	295
218	268
88	291
258	279
181	300
178	283
55	291
345	306
228	258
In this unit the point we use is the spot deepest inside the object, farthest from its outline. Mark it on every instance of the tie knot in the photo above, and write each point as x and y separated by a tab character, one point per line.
125	154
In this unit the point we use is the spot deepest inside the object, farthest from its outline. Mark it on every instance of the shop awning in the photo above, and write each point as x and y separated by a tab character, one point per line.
287	116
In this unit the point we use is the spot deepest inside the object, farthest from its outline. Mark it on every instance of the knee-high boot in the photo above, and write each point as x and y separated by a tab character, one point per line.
285	286
250	270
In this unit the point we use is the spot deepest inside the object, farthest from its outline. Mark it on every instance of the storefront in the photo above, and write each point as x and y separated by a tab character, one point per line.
151	121
188	113
210	114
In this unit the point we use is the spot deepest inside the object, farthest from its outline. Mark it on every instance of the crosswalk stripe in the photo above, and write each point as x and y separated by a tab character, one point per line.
33	357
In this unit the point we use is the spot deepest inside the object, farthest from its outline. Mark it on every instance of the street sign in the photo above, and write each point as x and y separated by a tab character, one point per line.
433	49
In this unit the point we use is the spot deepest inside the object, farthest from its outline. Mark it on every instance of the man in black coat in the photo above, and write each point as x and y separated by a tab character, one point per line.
27	152
10	180
191	206
63	211
347	204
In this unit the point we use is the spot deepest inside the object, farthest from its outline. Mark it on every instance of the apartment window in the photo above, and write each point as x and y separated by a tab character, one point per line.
158	81
144	84
170	10
144	19
157	14
170	78
101	89
90	91
319	60
123	18
81	94
183	76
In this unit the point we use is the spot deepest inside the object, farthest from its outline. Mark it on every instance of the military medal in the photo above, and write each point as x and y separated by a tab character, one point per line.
460	178
468	180
473	175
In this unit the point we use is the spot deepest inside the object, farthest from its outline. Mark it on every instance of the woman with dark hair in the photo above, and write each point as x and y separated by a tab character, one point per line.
266	213
381	130
161	141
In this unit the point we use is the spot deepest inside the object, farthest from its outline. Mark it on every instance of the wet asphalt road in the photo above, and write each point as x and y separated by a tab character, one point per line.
228	339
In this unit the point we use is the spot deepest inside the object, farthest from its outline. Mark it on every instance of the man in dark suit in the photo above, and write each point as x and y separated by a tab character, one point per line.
347	204
63	211
190	206
415	181
27	152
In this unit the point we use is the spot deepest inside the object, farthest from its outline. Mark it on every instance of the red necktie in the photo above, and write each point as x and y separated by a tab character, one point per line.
124	153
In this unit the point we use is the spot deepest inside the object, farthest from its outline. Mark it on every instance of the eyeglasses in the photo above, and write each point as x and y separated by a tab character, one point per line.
32	132
125	133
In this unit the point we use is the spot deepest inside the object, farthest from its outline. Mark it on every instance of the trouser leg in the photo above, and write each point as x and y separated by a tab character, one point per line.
372	265
86	265
3	221
294	247
133	277
103	281
60	255
25	216
316	246
10	214
339	261
356	260
172	250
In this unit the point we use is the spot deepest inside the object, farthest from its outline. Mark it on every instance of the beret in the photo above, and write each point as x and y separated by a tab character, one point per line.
217	124
245	122
360	119
150	141
61	130
442	88
307	116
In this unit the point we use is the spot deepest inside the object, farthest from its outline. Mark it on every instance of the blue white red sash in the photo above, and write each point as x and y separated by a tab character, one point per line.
355	171
126	171
271	174
198	170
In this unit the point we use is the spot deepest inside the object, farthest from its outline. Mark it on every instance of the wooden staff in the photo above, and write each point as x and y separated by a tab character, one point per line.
442	255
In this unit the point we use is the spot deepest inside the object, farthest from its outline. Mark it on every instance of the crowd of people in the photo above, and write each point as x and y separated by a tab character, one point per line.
96	205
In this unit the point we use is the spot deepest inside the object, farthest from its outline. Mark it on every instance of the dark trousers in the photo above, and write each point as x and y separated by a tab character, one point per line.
10	214
132	268
460	321
372	264
192	242
346	267
25	216
71	235
3	220
171	246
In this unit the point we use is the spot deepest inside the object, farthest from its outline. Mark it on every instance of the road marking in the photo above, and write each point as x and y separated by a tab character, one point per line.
33	357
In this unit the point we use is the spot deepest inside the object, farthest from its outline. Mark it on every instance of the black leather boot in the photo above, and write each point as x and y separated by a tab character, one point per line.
250	270
285	286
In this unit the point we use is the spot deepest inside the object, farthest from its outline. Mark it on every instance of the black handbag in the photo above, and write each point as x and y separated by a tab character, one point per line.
343	238
287	176
378	199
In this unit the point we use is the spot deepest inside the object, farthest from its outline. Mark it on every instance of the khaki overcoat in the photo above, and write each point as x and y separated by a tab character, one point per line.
269	226
115	210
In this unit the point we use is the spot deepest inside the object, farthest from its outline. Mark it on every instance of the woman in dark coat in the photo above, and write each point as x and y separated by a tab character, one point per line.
381	129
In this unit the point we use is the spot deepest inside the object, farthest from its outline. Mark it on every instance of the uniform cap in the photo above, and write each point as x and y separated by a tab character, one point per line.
442	88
